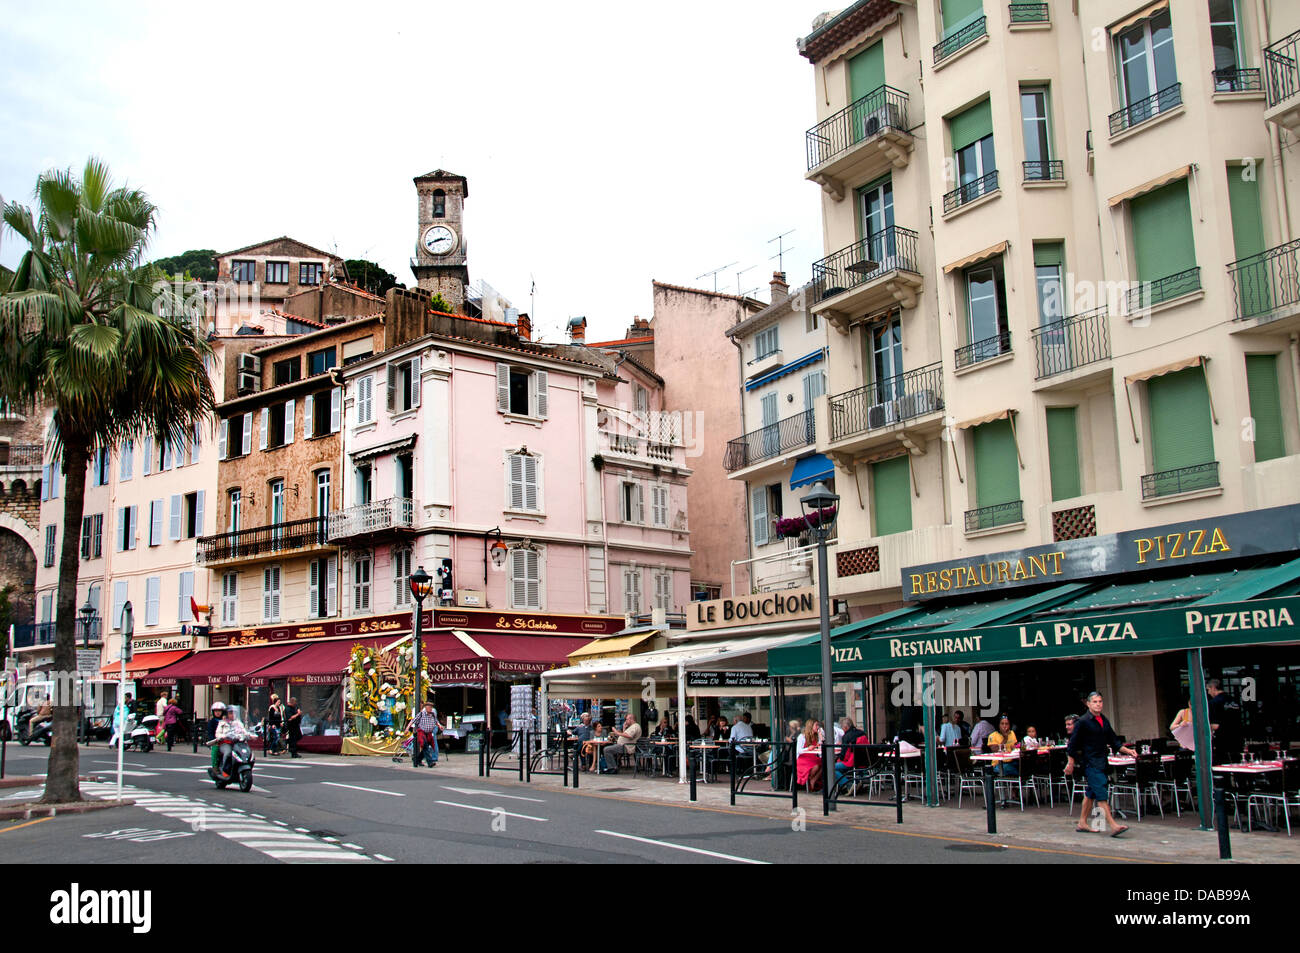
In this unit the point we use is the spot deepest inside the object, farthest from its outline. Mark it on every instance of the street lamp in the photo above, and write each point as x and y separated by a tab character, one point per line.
820	507
421	585
87	613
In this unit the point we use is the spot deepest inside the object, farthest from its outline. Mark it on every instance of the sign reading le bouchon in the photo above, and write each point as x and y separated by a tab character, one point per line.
785	605
1257	533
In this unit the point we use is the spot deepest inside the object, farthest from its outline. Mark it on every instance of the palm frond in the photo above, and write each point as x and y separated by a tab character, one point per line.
60	200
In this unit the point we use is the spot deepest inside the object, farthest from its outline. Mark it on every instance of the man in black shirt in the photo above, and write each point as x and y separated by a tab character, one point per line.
1090	744
1225	723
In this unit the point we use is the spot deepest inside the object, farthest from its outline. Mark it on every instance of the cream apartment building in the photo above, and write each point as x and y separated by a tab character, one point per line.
1060	277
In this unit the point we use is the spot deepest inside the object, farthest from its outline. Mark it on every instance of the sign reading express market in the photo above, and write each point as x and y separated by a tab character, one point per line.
785	605
1260	532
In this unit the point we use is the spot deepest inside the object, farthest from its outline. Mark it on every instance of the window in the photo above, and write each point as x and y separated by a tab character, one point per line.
986	313
1181	437
99	467
277	502
1063	452
1265	407
184	598
631	501
1035	122
891	496
236	437
241	270
155	522
322	493
365	399
775	509
1144	56
309	273
959	14
271	594
876	205
126	460
357	349
286	371
361	584
404	386
664	590
522	392
127	526
322	588
152	599
659	505
186	515
318	362
321	415
525	579
632	590
277	272
523	490
365	483
439	203
766	342
1253	283
404	477
973	154
277	425
1162	242
1049	267
1225	37
814	385
51	537
886	341
229	598
120	593
758	512
402	577
703	592
235	506
92	536
997	471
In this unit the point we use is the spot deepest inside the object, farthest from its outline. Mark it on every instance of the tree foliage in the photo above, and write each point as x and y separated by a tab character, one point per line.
374	278
197	263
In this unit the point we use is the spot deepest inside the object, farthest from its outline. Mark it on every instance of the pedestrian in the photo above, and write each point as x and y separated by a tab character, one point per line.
171	722
160	706
1093	740
273	725
292	726
1225	724
427	727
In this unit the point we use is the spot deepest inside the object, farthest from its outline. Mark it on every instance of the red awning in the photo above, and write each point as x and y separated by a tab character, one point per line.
552	649
319	658
221	666
144	662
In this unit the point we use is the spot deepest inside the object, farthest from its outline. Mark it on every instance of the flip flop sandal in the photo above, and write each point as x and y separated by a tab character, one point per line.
1121	830
1084	830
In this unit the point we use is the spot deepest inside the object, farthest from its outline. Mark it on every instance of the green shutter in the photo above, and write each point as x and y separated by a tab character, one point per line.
1265	406
958	13
997	468
1180	421
891	496
1254	289
1162	232
1063	452
867	72
971	126
1049	253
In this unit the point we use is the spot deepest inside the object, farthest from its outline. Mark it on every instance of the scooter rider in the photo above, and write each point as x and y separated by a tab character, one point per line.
218	712
229	731
44	712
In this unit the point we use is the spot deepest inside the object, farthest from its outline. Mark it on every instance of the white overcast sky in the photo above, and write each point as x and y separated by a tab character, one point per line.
606	144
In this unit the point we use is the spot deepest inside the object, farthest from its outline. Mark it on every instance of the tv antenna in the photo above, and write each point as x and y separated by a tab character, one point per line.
739	291
714	273
781	249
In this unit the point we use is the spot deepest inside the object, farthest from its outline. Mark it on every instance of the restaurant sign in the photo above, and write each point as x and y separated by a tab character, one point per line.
447	674
727	680
783	605
1259	532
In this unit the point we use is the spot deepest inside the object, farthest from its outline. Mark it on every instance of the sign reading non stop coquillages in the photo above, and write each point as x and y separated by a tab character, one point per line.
785	605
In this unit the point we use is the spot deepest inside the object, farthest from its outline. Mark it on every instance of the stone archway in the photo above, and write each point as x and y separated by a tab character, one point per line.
18	567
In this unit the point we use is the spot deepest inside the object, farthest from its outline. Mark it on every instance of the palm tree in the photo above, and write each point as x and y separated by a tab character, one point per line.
88	330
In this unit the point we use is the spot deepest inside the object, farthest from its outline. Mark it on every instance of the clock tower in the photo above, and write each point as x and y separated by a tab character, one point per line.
440	261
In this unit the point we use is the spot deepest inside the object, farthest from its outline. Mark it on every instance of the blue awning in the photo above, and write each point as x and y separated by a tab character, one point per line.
810	470
785	369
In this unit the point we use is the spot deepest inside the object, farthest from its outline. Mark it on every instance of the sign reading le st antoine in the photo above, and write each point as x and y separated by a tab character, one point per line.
783	605
1256	533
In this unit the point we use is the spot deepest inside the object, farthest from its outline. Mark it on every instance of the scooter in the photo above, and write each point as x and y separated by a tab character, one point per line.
140	737
235	764
25	733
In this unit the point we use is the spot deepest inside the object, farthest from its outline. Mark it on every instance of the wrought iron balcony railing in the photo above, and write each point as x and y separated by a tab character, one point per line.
1237	80
968	192
1030	13
1201	476
999	514
1050	170
882	108
375	517
1282	69
1072	342
28	456
984	350
1147	294
890	249
30	635
886	402
963	37
264	540
1267	282
770	441
1136	113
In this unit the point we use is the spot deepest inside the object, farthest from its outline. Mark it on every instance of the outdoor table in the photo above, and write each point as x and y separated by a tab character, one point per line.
598	743
705	748
663	755
1125	761
996	756
1248	769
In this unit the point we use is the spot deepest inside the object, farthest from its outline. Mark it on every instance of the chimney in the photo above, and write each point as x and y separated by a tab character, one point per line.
640	328
780	290
525	328
578	330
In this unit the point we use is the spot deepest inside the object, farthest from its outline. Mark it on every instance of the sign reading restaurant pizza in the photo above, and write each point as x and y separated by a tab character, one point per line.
1256	533
784	605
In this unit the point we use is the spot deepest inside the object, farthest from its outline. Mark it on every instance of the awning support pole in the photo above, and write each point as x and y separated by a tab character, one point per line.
931	751
950	432
1011	419
681	724
1201	728
1209	395
1131	421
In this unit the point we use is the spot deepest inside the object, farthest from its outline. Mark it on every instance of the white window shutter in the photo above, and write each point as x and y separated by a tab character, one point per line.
134	527
336	409
640	507
266	424
532	494
155	522
515	482
415	382
119	541
540	395
221	440
174	525
503	388
308	408
392	387
198	513
196	443
758	497
183	593
518	578
56	477
152	597
313	589
147	455
365	399
266	595
289	407
246	434
659	504
45	482
332	586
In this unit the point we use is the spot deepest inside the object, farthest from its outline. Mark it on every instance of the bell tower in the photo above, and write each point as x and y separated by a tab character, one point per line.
440	259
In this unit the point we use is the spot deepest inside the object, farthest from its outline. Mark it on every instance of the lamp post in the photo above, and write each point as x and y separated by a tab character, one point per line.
820	508
421	585
87	613
128	632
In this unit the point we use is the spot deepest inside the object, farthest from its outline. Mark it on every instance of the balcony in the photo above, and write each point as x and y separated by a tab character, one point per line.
991	517
1282	82
770	442
964	37
370	521
968	192
1202	476
35	635
1146	109
1072	342
878	272
21	456
1023	14
861	142
1267	286
643	449
1147	294
874	414
1235	80
979	351
1050	170
263	543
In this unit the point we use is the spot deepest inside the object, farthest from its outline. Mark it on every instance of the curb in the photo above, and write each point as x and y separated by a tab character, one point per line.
30	811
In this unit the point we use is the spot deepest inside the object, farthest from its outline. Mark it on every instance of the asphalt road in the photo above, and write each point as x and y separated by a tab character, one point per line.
362	812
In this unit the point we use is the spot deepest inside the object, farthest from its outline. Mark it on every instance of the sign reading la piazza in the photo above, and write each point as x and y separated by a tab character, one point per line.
783	605
1257	533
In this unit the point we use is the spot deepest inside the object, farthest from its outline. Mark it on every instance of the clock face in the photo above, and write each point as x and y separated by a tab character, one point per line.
438	240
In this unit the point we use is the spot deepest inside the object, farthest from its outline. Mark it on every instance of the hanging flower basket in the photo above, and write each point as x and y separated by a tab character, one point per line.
798	526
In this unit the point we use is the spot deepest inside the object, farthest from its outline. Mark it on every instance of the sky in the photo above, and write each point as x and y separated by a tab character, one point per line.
606	144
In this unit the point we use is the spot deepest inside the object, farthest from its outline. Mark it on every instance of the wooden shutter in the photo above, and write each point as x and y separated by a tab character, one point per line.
365	399
313	589
308	422
515	482
891	496
659	504
246	434
1265	406
133	526
289	408
758	499
155	522
415	382
147	456
336	409
392	388
503	388
541	398
997	470
174	524
519	578
152	599
222	439
184	591
331	585
1063	452
199	502
266	424
532	488
1180	420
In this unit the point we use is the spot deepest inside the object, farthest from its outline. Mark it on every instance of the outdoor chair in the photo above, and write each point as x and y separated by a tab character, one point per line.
1141	786
1023	779
1178	781
1285	799
644	756
970	778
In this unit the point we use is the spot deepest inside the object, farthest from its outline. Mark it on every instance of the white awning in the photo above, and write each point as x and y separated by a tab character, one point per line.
736	652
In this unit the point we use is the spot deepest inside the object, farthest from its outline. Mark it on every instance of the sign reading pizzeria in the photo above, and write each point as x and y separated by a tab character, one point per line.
784	605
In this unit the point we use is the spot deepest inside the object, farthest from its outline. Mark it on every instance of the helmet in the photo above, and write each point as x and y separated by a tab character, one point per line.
218	706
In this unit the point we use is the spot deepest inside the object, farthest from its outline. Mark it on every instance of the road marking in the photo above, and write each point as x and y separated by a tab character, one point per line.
492	810
692	850
512	797
39	820
129	764
335	784
384	857
273	777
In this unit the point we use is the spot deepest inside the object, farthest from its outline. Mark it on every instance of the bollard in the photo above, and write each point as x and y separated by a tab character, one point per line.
826	786
989	808
523	751
1221	824
481	762
691	770
564	759
577	763
731	775
194	732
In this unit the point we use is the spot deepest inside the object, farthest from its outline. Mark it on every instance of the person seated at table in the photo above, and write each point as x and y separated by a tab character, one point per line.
582	732
1031	738
623	741
592	751
950	734
979	734
742	730
808	759
664	729
692	729
724	728
711	728
1004	740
